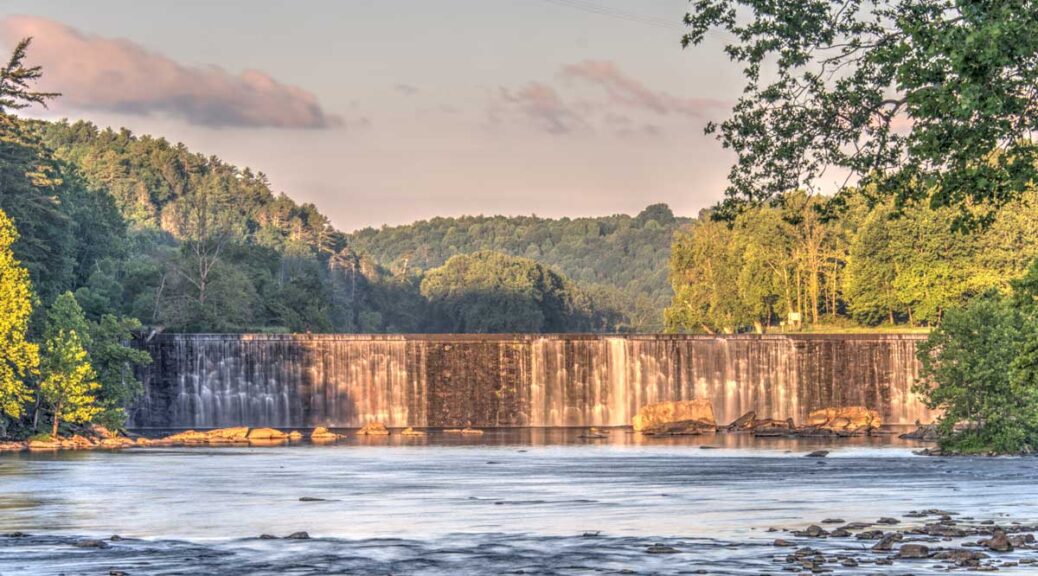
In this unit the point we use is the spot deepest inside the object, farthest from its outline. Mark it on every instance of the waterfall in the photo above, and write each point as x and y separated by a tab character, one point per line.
210	380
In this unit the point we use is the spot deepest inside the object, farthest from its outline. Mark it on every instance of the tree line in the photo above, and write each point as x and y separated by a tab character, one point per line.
843	261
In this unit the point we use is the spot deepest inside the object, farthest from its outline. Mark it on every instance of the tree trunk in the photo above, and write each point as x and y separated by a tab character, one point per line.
54	428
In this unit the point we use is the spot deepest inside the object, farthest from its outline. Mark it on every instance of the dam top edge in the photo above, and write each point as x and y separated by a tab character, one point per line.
526	337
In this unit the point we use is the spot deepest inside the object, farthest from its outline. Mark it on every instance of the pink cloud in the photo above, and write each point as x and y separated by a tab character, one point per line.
543	105
624	90
115	75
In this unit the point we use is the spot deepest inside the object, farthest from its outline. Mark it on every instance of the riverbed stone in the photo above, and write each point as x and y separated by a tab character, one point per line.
650	415
886	543
998	542
913	551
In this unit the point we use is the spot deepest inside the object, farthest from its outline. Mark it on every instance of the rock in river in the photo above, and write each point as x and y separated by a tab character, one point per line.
651	415
374	428
266	434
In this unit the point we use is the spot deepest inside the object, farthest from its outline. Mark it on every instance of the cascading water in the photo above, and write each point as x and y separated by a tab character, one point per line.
206	380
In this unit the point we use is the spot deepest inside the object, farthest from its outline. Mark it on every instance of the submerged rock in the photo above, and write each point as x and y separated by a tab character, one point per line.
593	434
662	549
412	432
298	536
817	454
651	415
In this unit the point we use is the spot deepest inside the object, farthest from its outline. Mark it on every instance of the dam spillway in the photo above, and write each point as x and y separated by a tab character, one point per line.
296	380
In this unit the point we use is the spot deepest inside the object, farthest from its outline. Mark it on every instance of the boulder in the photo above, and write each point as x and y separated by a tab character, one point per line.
266	434
81	442
769	427
101	432
845	418
295	436
322	434
223	435
12	446
998	542
913	551
374	428
745	422
680	428
651	415
472	431
925	433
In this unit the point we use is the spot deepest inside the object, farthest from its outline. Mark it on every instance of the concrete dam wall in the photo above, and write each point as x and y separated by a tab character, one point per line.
216	380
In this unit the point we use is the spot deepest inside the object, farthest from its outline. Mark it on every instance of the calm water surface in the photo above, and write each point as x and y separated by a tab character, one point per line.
501	503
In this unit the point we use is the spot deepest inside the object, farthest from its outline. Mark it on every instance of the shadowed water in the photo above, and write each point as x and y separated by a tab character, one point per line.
516	500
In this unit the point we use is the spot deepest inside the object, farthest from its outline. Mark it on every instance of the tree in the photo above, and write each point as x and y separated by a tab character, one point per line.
489	292
114	363
68	382
19	358
16	79
971	372
918	99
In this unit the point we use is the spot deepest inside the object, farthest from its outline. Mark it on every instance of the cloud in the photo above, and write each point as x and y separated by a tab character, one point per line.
115	75
615	102
624	90
543	105
407	89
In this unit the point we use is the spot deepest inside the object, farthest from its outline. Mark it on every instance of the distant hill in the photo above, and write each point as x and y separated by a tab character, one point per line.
137	226
621	260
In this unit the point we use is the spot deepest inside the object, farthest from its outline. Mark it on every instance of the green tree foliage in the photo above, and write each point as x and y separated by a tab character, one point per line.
19	358
489	292
966	373
608	254
68	383
114	360
918	98
873	264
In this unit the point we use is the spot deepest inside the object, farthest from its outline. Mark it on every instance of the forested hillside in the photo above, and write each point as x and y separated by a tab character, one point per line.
620	259
139	227
843	263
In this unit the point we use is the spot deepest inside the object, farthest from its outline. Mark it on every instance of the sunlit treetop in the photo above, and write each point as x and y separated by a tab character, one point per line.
917	99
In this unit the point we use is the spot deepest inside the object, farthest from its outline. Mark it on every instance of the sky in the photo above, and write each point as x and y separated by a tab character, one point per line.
389	111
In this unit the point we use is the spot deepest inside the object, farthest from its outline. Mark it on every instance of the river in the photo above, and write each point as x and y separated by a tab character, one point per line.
530	501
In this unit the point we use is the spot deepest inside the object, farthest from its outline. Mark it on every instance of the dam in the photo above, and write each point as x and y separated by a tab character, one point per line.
338	380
